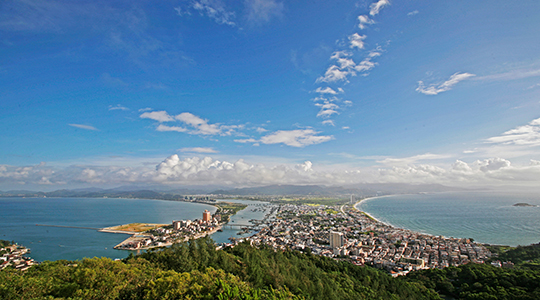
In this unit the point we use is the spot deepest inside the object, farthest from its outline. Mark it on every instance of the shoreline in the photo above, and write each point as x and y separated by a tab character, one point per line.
397	227
480	235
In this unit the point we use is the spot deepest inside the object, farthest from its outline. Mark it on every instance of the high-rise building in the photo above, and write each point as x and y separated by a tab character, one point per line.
336	239
206	216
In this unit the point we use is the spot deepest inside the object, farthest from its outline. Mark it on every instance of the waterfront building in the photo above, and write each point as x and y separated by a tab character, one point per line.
207	216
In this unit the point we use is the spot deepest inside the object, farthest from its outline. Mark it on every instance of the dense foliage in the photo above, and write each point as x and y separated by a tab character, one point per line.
523	256
310	276
480	281
195	270
4	243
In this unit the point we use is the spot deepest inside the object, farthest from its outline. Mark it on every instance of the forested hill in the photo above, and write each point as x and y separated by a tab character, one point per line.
195	270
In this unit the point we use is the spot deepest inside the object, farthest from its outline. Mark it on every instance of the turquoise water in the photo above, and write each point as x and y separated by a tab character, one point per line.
19	216
486	217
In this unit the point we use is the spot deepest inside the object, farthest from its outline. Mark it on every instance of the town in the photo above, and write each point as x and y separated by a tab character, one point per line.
178	231
13	255
343	232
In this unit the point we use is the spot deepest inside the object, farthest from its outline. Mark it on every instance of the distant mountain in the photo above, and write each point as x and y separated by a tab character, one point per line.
359	190
368	189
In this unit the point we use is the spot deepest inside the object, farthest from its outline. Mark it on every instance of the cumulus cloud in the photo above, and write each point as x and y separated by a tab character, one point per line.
198	150
208	171
262	11
85	127
296	138
376	7
357	41
363	21
435	89
412	13
196	170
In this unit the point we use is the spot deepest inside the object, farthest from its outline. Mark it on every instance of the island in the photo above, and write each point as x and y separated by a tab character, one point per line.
524	205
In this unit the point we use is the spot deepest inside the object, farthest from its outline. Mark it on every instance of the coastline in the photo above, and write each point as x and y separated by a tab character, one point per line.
387	223
357	207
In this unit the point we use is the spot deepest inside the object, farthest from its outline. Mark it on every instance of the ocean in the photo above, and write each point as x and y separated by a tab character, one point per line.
487	217
19	216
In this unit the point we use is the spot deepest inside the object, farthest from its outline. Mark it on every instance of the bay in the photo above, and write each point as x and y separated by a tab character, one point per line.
487	217
19	216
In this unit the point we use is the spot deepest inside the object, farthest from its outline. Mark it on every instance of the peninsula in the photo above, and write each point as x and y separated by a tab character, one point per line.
146	235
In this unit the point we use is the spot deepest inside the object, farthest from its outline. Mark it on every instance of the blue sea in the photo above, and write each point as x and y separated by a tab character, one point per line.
19	216
487	217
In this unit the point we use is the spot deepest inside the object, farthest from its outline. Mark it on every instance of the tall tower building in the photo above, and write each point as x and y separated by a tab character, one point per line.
336	239
206	216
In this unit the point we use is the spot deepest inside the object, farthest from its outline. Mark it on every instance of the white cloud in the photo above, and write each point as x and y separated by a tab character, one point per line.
295	138
326	90
527	135
328	122
327	109
118	107
376	7
198	150
160	116
365	65
208	171
262	11
511	75
243	141
412	13
194	124
413	159
357	41
435	89
333	74
164	128
306	166
492	164
214	9
364	20
201	126
86	127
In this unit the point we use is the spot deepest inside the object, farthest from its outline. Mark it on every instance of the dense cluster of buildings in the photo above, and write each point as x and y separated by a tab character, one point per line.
178	231
13	255
346	233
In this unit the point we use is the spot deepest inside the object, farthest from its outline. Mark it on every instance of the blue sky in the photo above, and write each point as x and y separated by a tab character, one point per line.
257	92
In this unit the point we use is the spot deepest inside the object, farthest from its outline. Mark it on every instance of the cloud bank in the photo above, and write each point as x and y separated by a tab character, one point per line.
209	171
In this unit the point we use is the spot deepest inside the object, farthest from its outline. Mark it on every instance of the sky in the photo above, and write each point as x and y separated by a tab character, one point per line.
260	92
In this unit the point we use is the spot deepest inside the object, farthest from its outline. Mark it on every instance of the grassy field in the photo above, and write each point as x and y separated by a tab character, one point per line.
136	227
